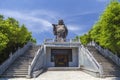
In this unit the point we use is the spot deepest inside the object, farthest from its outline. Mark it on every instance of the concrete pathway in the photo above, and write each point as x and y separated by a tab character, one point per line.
64	75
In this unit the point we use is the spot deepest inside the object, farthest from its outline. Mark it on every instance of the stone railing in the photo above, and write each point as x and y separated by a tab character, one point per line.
34	61
14	56
106	53
67	40
96	65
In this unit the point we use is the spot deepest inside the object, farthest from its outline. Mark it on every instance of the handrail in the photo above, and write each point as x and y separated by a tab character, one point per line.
31	66
99	67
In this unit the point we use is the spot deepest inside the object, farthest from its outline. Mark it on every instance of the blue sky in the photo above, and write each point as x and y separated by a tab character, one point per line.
38	15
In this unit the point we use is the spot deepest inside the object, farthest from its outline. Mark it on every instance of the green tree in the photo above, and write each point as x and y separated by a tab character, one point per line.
12	36
85	39
106	32
3	41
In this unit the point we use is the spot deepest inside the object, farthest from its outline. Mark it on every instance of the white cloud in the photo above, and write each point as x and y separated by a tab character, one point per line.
35	21
76	29
39	22
50	14
32	21
82	14
73	28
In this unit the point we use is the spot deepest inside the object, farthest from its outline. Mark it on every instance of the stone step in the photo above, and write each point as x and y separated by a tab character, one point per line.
100	59
21	64
23	61
32	51
112	74
15	69
109	67
20	60
25	57
108	70
13	76
63	69
16	72
28	56
19	68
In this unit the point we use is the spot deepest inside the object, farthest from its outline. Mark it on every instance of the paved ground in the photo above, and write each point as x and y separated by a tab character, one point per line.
64	75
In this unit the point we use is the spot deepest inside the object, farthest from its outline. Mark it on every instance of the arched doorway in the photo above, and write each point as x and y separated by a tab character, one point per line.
61	60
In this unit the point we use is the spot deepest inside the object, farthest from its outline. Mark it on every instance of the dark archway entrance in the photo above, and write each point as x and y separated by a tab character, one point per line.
61	57
61	60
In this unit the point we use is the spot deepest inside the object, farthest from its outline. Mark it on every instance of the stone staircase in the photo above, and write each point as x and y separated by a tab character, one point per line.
63	69
109	67
19	68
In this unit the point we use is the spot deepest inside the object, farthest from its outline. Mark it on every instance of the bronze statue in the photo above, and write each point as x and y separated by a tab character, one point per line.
60	31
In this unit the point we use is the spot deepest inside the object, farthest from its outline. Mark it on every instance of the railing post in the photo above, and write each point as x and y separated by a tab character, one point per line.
119	61
29	72
101	70
79	57
82	55
10	56
79	40
44	40
53	40
70	40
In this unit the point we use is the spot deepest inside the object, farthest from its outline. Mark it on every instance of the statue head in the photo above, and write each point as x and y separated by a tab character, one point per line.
60	22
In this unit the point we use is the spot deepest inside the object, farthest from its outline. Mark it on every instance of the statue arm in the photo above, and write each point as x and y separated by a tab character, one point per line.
54	29
54	25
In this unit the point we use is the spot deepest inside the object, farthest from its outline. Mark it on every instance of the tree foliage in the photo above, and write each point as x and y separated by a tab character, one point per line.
12	36
106	32
85	39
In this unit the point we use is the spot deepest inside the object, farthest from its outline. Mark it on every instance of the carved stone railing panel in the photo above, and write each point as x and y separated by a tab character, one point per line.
37	62
89	62
67	40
